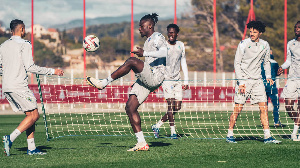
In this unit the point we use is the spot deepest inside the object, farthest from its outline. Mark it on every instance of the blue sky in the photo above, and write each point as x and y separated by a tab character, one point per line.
51	12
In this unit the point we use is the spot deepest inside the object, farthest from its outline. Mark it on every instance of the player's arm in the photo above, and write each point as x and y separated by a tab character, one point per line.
287	63
161	48
237	63
184	69
31	67
267	65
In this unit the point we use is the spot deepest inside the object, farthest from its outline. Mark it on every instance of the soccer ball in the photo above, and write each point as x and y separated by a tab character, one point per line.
91	43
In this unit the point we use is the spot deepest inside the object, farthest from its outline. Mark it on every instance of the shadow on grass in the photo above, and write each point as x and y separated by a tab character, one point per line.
158	144
249	138
42	148
108	145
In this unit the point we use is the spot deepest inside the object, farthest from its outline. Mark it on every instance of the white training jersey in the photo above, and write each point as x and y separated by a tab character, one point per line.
155	51
248	58
176	56
293	59
15	61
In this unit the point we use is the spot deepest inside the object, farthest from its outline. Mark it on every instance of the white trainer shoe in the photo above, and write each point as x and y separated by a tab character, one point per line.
95	82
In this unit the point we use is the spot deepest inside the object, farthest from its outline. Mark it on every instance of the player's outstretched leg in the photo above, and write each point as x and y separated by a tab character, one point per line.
131	63
7	144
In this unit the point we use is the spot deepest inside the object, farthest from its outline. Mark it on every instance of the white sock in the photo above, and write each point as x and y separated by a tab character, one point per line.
267	133
230	133
159	124
296	127
107	81
14	135
172	130
31	144
140	137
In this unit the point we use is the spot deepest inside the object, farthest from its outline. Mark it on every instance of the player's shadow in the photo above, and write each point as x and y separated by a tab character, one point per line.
285	136
249	138
158	144
106	145
42	148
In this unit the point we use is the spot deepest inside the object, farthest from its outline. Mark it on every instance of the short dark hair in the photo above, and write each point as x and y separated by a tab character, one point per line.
172	25
258	25
14	23
151	17
298	22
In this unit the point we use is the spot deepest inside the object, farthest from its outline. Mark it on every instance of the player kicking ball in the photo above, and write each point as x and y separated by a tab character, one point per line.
291	90
150	74
172	85
250	54
15	61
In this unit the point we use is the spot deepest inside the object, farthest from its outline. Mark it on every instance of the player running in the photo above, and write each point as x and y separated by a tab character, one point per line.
15	61
291	90
150	74
250	54
172	85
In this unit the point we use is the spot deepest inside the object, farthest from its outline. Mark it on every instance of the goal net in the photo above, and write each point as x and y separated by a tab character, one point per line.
73	108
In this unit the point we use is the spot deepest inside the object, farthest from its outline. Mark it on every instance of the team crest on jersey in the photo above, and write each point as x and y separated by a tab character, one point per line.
28	41
29	99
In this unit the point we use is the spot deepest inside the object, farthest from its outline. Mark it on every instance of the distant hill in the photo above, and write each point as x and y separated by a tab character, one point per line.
100	20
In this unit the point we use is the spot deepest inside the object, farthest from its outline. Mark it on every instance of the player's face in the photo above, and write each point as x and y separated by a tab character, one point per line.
297	30
145	27
254	35
172	35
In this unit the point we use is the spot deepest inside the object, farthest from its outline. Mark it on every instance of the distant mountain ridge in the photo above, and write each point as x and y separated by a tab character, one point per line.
100	20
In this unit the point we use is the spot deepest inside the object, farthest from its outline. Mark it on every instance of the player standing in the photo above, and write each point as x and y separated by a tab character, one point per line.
172	85
15	61
150	74
249	56
271	90
291	91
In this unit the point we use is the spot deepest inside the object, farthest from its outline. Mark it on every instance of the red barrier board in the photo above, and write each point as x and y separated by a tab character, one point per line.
119	94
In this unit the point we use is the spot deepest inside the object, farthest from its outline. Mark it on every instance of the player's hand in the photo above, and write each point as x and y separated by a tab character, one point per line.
269	80
242	88
59	72
185	87
280	71
139	52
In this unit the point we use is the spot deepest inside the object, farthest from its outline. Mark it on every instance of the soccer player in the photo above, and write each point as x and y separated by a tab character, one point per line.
172	85
250	54
15	61
291	90
271	90
150	74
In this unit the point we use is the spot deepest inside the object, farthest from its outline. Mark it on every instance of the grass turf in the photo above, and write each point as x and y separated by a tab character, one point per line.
110	151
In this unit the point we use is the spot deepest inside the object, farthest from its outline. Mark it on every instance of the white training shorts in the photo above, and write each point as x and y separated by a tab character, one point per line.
148	80
291	89
255	90
172	89
21	101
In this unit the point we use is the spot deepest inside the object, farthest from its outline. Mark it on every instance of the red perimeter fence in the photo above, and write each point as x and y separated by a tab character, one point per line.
119	94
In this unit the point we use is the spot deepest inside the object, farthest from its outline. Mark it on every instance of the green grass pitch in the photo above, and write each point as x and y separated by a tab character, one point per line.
110	151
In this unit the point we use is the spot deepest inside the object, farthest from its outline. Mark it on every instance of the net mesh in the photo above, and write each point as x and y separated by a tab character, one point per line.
74	108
